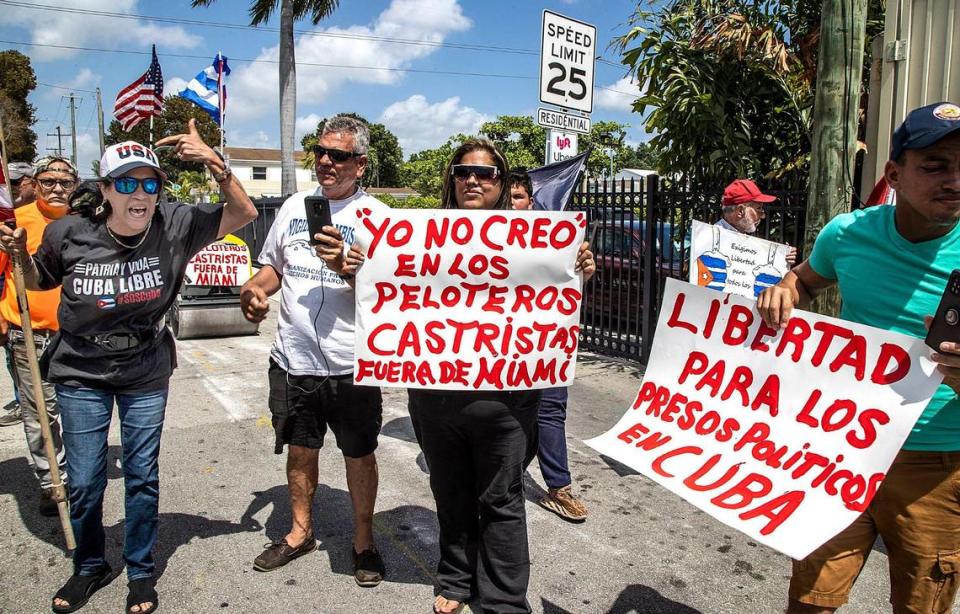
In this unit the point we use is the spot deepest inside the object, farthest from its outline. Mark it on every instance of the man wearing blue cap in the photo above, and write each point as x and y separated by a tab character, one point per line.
891	264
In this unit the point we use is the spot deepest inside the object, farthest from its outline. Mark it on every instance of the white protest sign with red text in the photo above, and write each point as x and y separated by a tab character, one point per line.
467	300
783	435
222	263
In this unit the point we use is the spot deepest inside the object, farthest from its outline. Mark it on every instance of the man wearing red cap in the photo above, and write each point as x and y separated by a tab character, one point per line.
743	208
891	264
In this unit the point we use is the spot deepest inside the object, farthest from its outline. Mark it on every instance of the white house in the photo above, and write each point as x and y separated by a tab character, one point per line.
259	170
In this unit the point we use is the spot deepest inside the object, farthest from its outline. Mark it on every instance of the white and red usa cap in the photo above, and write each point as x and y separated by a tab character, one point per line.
126	156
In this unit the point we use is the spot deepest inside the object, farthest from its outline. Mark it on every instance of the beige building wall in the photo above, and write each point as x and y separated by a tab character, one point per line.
917	63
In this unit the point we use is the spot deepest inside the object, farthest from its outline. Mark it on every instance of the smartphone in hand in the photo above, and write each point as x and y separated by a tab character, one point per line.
946	324
318	216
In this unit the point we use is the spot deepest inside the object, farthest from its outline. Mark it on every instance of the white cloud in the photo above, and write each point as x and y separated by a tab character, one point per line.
86	79
88	150
254	87
174	85
237	138
618	96
306	125
61	27
420	125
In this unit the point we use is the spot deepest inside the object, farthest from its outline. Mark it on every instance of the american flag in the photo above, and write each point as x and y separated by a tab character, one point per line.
142	98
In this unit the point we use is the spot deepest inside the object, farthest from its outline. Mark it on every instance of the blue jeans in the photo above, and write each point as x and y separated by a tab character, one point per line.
552	452
86	415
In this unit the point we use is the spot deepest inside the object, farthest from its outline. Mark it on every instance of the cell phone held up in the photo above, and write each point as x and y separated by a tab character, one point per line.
946	324
318	216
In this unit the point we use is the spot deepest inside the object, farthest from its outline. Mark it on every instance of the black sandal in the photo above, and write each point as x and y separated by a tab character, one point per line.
78	590
140	591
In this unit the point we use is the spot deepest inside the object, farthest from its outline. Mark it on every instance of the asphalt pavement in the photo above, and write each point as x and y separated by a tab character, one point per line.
223	496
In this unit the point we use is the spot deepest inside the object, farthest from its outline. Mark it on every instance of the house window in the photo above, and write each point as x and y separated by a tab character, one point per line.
313	175
260	173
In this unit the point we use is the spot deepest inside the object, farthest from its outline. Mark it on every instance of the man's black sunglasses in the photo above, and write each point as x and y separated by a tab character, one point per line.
337	155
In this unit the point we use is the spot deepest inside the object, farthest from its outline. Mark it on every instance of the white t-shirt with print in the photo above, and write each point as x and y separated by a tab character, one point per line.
315	330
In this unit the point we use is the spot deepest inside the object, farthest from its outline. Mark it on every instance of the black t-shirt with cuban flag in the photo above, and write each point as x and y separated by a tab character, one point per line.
108	288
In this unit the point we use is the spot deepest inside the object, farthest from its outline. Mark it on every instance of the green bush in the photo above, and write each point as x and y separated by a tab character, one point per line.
414	202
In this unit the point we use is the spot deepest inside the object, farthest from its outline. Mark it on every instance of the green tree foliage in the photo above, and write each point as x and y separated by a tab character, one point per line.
384	158
520	139
523	141
17	80
424	170
728	85
176	113
412	202
190	187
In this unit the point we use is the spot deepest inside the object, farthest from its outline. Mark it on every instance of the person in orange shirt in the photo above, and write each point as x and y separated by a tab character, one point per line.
55	180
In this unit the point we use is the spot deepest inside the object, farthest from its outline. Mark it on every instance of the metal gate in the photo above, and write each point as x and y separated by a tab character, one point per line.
640	232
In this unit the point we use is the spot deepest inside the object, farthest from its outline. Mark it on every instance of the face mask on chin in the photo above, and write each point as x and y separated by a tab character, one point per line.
51	211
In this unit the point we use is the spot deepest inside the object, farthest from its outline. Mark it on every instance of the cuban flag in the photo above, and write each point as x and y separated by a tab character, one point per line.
712	271
208	89
764	280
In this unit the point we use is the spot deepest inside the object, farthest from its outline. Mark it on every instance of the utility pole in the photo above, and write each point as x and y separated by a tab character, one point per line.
73	131
103	147
59	149
835	114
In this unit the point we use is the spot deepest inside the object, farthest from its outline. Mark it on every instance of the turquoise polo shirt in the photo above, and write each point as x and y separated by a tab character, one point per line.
890	283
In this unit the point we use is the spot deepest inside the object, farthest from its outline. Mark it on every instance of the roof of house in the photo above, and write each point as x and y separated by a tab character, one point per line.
257	154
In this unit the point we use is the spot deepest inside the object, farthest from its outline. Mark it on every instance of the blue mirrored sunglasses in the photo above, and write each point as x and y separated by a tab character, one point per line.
128	185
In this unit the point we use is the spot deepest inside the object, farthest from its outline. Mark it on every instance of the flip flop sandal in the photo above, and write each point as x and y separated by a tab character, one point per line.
78	590
142	591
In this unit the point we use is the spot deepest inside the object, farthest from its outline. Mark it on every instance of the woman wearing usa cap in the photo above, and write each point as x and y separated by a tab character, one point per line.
121	264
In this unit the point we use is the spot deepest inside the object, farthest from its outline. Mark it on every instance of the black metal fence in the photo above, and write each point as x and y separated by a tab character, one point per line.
254	234
640	233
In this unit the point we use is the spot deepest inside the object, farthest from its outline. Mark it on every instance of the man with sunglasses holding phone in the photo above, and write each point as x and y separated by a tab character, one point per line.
742	209
54	179
311	362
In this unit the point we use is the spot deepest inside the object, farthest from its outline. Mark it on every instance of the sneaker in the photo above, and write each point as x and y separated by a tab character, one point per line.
563	503
48	506
11	417
368	569
280	553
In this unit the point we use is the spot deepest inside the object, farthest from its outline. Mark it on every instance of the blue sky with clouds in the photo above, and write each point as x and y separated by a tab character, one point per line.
426	83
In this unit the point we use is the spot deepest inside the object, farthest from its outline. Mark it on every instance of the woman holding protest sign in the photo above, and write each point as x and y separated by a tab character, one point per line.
478	443
120	264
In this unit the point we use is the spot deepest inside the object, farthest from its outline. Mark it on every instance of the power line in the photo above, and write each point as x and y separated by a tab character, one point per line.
299	63
264	61
65	87
316	33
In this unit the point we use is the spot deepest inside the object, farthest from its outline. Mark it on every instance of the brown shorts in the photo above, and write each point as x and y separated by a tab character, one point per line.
917	513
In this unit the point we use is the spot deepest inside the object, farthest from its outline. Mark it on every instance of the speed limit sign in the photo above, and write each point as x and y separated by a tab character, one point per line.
567	51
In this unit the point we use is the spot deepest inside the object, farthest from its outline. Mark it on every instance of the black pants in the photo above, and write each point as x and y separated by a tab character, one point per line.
477	445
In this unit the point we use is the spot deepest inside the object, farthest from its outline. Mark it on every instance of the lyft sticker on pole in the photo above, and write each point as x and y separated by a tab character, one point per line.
784	435
468	300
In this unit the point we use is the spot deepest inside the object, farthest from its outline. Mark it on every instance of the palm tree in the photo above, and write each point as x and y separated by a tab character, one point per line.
290	11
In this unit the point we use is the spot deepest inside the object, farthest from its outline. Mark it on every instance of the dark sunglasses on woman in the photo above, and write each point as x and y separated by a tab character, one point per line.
482	172
128	185
337	155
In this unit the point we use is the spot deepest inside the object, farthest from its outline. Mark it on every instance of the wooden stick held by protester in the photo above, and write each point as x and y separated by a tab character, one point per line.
59	491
